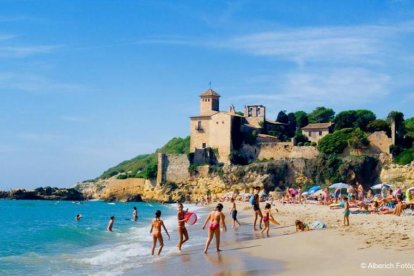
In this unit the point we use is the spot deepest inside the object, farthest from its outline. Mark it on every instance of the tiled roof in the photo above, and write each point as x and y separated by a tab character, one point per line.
318	126
210	92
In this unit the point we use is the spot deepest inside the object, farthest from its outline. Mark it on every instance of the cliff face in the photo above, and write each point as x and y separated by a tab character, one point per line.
215	181
402	176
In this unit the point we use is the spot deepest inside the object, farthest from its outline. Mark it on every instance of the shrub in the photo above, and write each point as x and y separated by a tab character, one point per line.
336	142
405	157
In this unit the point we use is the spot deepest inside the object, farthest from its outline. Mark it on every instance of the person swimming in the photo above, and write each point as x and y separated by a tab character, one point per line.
78	217
155	231
216	218
111	223
182	231
135	214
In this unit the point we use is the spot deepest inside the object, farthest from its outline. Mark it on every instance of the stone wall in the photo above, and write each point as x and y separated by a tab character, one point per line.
172	168
278	151
380	142
398	175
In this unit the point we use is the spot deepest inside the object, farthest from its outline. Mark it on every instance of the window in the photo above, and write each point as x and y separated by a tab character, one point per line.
198	124
204	145
320	133
310	133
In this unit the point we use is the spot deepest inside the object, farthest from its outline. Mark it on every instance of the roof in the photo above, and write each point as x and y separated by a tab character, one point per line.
210	92
317	126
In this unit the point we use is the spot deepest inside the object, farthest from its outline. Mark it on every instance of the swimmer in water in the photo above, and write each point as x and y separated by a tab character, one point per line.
135	214
155	231
111	223
78	217
216	218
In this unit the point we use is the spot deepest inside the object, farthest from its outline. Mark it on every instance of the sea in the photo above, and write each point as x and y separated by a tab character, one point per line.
44	238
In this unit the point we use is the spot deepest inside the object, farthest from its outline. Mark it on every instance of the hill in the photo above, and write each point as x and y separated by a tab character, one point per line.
145	166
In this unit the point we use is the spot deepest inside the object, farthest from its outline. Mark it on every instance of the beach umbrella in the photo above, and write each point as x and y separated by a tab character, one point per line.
339	186
318	193
314	189
380	186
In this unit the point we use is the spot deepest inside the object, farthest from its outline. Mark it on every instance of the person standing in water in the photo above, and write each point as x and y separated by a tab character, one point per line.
256	208
216	218
182	231
135	214
266	219
233	213
155	231
111	223
78	217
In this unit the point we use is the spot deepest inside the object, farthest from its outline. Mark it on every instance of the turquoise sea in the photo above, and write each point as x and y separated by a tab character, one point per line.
43	237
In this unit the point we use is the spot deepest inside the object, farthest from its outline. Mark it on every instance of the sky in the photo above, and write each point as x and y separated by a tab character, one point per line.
85	84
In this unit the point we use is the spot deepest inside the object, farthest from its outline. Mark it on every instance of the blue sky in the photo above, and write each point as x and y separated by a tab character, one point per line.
85	85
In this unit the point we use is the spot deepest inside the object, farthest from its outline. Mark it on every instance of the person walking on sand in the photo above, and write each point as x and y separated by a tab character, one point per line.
135	214
216	219
155	231
182	231
266	219
233	212
256	208
110	223
347	212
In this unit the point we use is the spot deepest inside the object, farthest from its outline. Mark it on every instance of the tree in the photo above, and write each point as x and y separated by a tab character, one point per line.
282	117
398	118
379	125
353	119
335	143
409	127
291	127
301	119
321	115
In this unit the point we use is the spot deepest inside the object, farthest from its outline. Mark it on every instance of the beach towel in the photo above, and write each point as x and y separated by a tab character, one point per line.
317	225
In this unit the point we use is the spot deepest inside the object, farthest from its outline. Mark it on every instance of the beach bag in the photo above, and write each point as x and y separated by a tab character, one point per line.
251	200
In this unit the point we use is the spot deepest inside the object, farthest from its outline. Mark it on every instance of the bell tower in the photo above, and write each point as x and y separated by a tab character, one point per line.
209	102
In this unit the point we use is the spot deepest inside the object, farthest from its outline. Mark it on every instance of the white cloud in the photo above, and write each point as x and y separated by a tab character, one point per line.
25	51
346	86
327	44
35	83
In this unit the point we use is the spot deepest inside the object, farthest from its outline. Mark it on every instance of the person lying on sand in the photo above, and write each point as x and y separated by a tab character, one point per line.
397	210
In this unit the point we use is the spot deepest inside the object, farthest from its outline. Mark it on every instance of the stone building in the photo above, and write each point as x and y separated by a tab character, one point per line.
316	132
221	131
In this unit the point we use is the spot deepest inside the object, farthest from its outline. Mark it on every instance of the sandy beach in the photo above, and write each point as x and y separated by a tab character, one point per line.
371	245
371	241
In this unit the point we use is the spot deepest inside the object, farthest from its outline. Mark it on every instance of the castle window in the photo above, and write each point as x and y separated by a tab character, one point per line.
320	133
310	133
204	145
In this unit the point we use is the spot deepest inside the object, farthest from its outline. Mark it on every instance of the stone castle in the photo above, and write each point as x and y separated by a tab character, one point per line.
222	130
215	135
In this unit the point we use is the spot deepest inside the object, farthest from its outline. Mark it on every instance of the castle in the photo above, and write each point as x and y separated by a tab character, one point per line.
223	131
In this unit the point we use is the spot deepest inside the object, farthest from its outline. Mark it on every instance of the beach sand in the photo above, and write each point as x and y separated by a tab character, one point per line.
369	242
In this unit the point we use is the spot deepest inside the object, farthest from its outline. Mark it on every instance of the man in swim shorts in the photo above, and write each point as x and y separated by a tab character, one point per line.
256	209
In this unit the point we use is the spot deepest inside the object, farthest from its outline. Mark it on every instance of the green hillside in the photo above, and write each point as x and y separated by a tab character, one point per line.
145	166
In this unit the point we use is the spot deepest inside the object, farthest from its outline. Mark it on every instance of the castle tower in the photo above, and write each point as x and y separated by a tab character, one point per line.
209	102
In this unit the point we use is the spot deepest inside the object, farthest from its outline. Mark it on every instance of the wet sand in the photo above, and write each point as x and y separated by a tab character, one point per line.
372	245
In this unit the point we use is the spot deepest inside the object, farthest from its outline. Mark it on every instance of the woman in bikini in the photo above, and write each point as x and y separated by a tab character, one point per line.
266	219
182	231
156	232
215	218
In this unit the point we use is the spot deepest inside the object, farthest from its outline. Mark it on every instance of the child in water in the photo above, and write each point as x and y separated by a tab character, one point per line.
233	212
266	218
347	212
111	223
216	218
156	232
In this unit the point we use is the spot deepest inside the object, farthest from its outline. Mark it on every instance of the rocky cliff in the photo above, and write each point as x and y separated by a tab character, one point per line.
398	175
